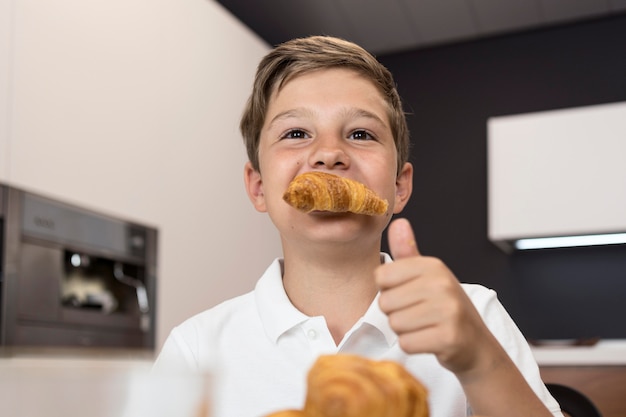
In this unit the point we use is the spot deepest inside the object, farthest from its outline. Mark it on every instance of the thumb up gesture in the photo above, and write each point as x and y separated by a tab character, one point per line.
426	305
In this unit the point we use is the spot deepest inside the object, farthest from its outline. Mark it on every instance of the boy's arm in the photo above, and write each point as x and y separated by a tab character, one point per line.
431	313
496	387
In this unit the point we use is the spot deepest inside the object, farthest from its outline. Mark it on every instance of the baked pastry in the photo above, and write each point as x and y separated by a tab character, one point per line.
288	413
353	386
322	191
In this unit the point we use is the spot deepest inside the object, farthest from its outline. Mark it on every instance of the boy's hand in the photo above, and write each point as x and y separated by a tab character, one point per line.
428	308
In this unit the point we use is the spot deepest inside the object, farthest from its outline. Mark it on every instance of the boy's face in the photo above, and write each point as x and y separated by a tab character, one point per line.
336	121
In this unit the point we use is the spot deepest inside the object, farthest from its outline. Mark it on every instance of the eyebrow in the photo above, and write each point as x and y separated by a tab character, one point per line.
352	112
357	112
291	113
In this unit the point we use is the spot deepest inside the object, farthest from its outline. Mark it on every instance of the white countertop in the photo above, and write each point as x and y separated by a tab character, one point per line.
609	352
97	383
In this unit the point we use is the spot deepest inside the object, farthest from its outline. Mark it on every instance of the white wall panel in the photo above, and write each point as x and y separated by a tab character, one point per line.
6	36
131	107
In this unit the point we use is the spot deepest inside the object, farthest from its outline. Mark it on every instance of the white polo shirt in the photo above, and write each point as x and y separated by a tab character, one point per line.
260	348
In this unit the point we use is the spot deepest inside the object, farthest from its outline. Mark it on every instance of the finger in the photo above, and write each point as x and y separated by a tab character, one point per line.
401	239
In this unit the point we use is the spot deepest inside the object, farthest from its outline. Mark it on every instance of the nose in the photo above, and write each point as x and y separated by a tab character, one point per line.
329	152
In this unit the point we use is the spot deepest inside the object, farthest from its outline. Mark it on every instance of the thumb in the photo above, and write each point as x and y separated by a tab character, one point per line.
401	239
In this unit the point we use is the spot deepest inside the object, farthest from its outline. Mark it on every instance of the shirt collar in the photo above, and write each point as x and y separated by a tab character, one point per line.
375	317
279	315
275	309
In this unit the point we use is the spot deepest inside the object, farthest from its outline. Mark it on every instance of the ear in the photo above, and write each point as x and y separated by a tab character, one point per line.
254	187
404	187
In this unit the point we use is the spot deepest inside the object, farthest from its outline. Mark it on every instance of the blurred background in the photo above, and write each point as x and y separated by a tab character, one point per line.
127	112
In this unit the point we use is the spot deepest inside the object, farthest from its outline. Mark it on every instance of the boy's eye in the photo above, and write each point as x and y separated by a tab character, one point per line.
296	134
361	135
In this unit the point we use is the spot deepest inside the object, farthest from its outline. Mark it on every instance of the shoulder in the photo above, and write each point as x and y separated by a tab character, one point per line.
192	343
216	316
490	308
479	294
233	316
495	316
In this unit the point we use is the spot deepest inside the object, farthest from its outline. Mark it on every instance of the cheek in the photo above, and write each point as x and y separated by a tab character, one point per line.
384	172
387	185
278	157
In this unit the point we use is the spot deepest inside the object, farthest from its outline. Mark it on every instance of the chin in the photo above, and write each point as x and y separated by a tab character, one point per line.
339	227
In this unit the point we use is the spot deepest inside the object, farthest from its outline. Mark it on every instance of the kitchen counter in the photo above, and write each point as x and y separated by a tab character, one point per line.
98	383
598	371
608	352
15	354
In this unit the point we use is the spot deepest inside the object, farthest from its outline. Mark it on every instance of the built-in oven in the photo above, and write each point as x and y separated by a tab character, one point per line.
74	277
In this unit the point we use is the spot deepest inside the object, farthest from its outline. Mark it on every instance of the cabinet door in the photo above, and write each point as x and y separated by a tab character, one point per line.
604	385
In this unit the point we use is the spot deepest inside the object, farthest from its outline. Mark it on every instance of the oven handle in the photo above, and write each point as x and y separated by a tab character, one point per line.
142	293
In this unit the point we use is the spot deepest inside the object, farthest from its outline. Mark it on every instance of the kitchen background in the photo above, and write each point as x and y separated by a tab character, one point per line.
132	108
450	92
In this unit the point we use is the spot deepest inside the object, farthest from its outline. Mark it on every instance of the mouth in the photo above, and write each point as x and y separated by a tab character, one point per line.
324	192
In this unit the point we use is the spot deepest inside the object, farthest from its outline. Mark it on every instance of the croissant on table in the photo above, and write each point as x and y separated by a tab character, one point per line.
288	413
322	191
353	386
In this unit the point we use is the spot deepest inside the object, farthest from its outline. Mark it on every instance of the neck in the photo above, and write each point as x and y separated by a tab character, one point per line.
338	285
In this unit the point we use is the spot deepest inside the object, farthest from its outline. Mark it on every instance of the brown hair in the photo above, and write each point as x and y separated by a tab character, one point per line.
302	55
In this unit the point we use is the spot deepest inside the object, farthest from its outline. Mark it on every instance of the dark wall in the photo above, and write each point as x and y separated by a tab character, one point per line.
450	92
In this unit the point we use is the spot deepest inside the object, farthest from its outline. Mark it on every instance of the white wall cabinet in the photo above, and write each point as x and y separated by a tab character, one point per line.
557	173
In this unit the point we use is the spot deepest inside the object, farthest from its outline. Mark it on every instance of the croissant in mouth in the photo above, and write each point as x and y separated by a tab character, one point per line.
321	191
352	386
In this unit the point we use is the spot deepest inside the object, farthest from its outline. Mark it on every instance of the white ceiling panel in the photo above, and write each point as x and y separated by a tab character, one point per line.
506	15
617	5
385	26
390	29
561	10
438	20
313	18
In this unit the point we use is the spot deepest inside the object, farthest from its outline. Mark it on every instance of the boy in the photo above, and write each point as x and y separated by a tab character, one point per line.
324	104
